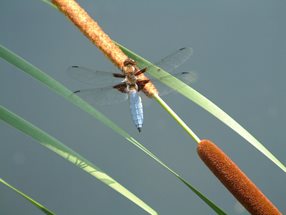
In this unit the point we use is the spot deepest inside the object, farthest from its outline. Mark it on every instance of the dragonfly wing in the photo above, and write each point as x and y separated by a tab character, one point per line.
175	59
101	96
93	77
186	77
170	63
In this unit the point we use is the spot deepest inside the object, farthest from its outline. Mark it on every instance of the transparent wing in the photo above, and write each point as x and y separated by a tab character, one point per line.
93	77
175	59
101	96
186	77
170	63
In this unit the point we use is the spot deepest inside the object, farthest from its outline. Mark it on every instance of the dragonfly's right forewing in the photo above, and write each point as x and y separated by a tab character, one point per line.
171	62
187	77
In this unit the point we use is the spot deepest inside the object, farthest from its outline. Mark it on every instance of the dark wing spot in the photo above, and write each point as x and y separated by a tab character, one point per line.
118	75
139	72
120	87
141	84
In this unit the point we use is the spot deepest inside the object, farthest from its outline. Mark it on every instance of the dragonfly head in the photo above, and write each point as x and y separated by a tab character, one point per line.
129	66
129	62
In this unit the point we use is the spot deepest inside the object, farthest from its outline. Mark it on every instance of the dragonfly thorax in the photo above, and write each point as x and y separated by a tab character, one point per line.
130	70
131	78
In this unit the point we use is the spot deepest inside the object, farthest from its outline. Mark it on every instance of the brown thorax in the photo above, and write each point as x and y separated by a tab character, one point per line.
135	79
130	69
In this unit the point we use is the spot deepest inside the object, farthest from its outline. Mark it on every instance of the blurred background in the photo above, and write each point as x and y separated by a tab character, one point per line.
239	58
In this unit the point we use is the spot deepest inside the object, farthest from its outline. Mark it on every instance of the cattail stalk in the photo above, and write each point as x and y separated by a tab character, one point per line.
94	32
241	187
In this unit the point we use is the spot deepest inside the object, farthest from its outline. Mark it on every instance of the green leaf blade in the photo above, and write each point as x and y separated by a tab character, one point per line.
34	202
65	152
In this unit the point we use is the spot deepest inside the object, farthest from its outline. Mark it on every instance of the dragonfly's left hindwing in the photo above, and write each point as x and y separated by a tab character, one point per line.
136	109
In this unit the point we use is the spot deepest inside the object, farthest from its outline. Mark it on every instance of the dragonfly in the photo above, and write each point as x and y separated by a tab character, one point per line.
108	90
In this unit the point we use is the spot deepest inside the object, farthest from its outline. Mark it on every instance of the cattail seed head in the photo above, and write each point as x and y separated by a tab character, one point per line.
241	187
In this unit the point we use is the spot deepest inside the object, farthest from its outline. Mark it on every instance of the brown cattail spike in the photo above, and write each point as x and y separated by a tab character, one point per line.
241	187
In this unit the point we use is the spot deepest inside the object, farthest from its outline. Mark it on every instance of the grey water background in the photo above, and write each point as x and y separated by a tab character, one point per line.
239	58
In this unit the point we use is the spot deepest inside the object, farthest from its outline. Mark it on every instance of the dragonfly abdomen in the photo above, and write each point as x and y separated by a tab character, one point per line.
136	109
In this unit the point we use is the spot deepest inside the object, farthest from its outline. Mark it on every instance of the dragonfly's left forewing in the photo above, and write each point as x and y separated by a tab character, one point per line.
102	96
92	77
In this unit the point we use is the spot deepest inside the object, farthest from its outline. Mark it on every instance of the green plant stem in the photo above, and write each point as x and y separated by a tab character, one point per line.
177	118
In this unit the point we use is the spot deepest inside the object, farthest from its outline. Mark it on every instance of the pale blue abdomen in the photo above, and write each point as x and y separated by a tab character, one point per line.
136	109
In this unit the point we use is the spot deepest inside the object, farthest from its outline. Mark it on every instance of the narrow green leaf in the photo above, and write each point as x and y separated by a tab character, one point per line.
36	73
62	150
202	101
34	202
